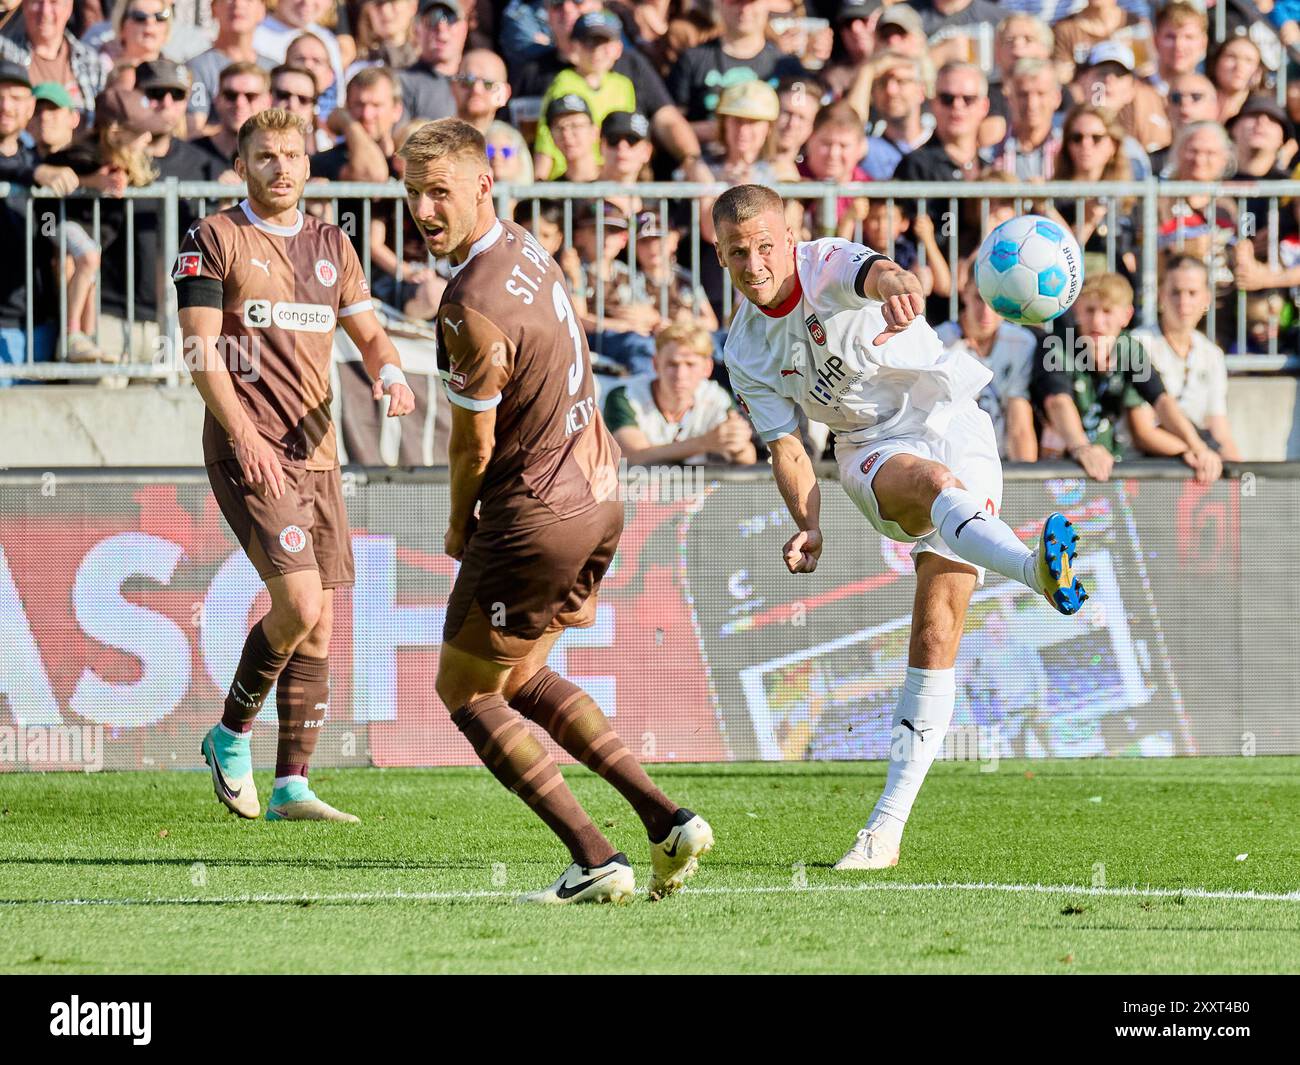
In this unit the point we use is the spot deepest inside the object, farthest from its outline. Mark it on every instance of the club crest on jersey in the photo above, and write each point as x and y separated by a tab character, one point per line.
188	264
326	272
458	379
815	329
292	539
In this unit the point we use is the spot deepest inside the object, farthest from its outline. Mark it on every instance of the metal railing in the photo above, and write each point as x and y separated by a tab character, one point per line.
822	199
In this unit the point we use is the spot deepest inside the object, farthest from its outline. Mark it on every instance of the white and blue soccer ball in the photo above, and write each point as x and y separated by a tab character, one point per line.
1029	269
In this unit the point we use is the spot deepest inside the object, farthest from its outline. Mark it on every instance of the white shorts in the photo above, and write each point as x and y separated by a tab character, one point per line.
969	449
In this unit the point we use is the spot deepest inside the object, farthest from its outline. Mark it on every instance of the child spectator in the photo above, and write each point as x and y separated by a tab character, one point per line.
575	136
661	282
885	228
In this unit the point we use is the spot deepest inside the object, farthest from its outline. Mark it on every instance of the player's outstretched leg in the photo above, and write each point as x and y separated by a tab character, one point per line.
924	711
677	836
226	747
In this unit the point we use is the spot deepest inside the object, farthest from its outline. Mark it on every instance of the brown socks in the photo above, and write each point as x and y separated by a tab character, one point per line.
302	701
259	666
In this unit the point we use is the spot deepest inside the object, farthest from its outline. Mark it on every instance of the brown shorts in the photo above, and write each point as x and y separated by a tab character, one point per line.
306	528
515	587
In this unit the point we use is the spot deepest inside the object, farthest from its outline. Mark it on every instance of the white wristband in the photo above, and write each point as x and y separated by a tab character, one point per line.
390	375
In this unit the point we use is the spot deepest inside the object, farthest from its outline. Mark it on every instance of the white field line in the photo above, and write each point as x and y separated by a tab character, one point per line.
780	889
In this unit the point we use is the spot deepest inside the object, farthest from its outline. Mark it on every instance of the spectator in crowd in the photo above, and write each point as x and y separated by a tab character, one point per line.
236	22
545	220
1033	142
661	281
1008	351
293	89
1086	394
834	151
1094	153
1190	365
740	53
385	35
1100	20
291	19
855	43
1237	71
309	52
897	97
1019	36
668	125
960	30
664	29
166	85
1285	16
441	32
19	162
1194	225
524	32
141	29
677	415
597	44
887	226
1108	81
1181	41
625	147
808	40
508	155
800	100
41	42
1192	98
575	136
1259	130
745	116
481	88
243	89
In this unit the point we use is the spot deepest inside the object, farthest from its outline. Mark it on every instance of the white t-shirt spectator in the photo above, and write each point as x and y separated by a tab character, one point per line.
1198	383
633	405
273	37
1011	360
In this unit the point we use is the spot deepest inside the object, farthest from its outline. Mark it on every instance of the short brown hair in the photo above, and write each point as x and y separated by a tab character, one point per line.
839	115
743	202
1178	12
690	335
369	77
272	120
445	137
236	70
1113	290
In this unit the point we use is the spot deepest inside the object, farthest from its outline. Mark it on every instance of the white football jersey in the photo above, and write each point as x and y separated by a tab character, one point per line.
816	351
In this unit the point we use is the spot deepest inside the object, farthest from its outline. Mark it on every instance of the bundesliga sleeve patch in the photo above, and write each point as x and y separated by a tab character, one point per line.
188	264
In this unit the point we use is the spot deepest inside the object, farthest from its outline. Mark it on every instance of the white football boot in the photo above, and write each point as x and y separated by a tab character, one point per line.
231	763
869	851
675	859
612	882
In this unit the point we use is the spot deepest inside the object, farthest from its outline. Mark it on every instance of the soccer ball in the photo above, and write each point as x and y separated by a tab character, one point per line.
1029	269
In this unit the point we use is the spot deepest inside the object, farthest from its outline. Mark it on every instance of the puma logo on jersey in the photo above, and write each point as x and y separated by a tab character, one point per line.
264	266
787	373
455	327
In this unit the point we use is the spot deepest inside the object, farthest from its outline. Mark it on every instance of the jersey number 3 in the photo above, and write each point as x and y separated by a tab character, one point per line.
564	312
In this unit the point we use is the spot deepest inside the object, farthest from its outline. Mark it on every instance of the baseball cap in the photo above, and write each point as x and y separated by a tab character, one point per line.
1112	52
51	92
586	216
451	5
903	17
750	99
1265	105
568	104
14	74
162	74
129	108
850	11
597	26
619	124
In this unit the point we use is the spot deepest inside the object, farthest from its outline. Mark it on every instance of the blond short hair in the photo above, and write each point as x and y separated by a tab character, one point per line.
743	202
272	120
1112	290
445	137
689	335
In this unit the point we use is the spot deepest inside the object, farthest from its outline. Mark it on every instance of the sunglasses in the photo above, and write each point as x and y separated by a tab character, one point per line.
1190	97
470	80
232	96
157	96
1091	138
950	98
140	17
503	151
282	96
556	4
623	138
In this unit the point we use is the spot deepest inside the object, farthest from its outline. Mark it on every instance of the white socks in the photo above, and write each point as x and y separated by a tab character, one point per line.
981	538
920	724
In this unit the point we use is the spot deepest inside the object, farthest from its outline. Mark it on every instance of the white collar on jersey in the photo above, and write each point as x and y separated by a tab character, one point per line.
267	227
482	244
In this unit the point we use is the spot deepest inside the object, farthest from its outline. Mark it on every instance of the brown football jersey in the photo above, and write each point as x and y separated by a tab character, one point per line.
508	338
282	291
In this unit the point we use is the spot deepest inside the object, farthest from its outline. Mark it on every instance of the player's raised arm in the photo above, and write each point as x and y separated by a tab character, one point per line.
900	291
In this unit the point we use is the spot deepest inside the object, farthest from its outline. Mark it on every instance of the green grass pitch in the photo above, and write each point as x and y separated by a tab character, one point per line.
172	883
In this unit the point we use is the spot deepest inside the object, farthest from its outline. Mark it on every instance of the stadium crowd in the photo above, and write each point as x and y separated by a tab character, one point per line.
103	95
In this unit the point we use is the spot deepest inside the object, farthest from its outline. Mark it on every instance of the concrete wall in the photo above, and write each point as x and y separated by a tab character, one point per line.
45	426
